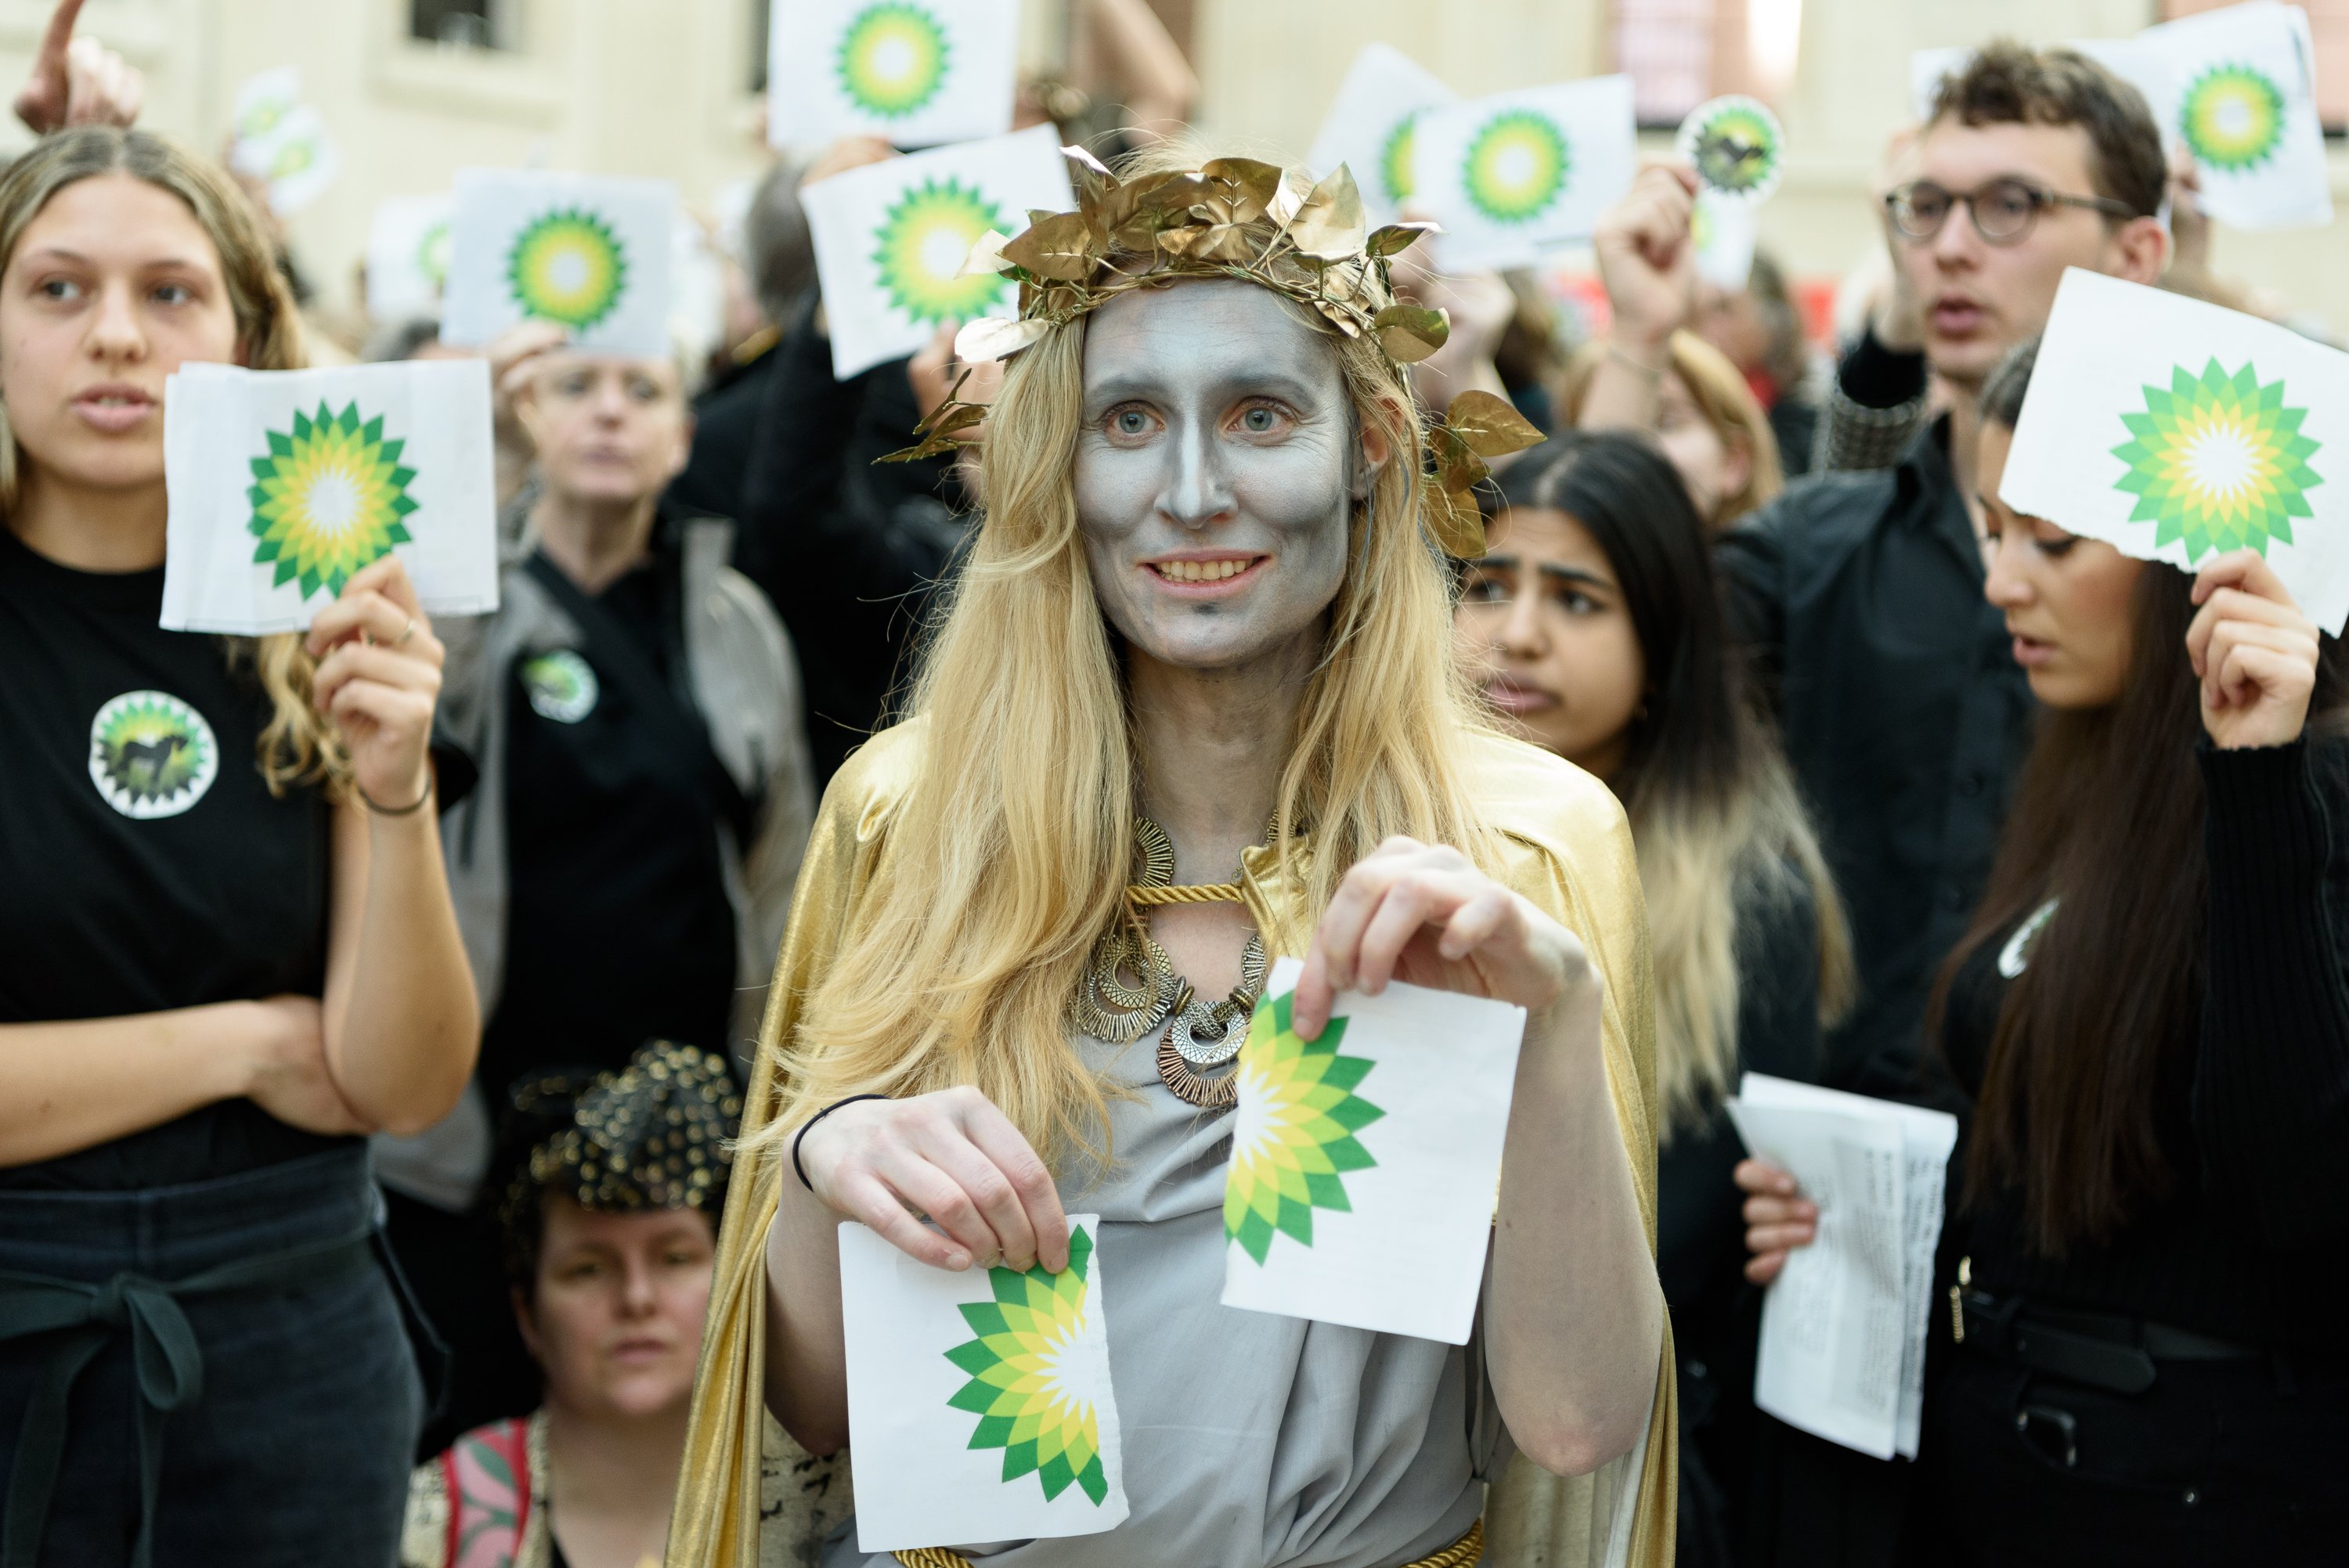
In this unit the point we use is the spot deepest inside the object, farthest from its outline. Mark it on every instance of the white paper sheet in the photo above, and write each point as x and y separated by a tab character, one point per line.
283	483
1518	174
916	73
979	1405
1372	125
890	240
1724	230
2177	430
408	256
1927	1138
588	252
2242	98
1364	1164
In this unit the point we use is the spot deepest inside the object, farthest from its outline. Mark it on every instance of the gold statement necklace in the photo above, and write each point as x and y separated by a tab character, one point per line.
1130	987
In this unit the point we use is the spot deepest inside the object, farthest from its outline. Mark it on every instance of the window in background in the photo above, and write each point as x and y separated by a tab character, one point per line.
2328	30
1679	53
1665	47
465	24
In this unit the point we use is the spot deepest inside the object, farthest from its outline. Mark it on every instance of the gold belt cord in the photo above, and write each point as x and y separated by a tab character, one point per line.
1464	1552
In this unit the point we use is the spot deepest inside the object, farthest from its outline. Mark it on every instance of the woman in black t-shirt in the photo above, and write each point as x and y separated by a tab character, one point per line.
226	945
2142	1357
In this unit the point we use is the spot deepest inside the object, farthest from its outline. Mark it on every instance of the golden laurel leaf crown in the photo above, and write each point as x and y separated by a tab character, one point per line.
1281	228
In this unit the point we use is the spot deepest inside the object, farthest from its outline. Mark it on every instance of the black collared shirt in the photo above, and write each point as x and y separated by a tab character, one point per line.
1905	716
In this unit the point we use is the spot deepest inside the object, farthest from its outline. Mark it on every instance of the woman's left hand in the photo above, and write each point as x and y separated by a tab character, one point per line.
1423	914
379	678
2254	651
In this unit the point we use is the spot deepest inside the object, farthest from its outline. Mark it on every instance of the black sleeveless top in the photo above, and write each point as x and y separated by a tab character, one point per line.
144	865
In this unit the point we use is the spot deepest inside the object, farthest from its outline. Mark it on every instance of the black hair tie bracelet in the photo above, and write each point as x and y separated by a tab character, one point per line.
800	1170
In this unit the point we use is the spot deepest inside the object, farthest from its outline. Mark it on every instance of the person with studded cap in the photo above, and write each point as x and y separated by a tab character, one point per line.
610	1186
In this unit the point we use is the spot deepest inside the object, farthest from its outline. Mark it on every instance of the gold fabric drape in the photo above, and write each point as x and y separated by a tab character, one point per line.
1567	849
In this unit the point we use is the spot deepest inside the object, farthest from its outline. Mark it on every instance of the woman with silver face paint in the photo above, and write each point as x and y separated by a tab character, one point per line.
1195	704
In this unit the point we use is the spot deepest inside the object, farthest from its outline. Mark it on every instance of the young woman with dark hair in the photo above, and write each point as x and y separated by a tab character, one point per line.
2150	1016
1594	624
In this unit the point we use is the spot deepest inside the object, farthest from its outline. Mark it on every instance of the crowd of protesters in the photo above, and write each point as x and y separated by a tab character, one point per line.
364	1136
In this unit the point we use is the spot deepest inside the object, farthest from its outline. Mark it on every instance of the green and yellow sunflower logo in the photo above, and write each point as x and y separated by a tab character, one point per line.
922	243
2232	117
568	266
893	58
1394	159
1736	147
432	253
1020	1387
560	685
151	755
329	497
1293	1140
1517	164
2218	461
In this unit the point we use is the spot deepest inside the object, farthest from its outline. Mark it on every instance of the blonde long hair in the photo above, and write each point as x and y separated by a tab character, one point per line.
1009	853
295	747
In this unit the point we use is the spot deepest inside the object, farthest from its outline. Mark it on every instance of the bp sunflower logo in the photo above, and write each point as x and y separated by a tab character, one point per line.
1517	165
2232	117
893	58
151	755
432	253
568	266
328	499
922	243
561	685
1736	147
2218	461
1020	1386
1293	1140
1394	160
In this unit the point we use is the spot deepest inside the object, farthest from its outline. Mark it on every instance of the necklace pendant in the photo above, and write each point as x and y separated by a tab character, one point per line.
1207	1094
1226	1023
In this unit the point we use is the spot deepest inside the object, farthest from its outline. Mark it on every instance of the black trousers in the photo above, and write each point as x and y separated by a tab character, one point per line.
2242	1461
294	1453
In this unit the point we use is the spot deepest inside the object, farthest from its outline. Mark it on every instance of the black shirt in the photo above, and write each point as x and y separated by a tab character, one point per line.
2255	1122
619	929
1905	717
144	865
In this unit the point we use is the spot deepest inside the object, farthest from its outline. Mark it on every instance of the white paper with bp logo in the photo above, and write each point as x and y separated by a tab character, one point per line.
285	484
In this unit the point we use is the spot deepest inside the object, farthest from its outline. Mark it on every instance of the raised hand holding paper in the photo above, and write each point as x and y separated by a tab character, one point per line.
1365	1163
1520	173
1372	127
892	238
979	1405
283	484
913	72
587	252
2177	430
2242	99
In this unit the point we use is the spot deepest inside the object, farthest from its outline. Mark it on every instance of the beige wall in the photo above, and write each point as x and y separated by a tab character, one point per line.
659	87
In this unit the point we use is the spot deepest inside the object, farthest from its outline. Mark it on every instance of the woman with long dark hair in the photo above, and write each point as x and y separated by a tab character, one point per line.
2150	1016
1594	622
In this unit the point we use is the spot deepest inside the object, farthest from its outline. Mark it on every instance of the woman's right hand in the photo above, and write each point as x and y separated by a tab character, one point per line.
1778	1218
1646	260
951	1156
285	1068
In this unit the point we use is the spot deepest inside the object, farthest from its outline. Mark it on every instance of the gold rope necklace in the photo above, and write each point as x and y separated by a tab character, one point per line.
1130	987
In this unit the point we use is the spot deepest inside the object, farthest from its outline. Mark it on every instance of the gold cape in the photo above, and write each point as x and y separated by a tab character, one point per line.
1567	847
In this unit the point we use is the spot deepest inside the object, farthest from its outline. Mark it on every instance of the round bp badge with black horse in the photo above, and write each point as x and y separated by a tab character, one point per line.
151	755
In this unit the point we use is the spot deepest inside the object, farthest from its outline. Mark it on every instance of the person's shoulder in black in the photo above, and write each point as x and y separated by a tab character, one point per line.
725	423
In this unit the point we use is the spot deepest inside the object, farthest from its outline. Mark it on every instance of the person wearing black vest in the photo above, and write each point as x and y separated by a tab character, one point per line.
623	873
226	942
